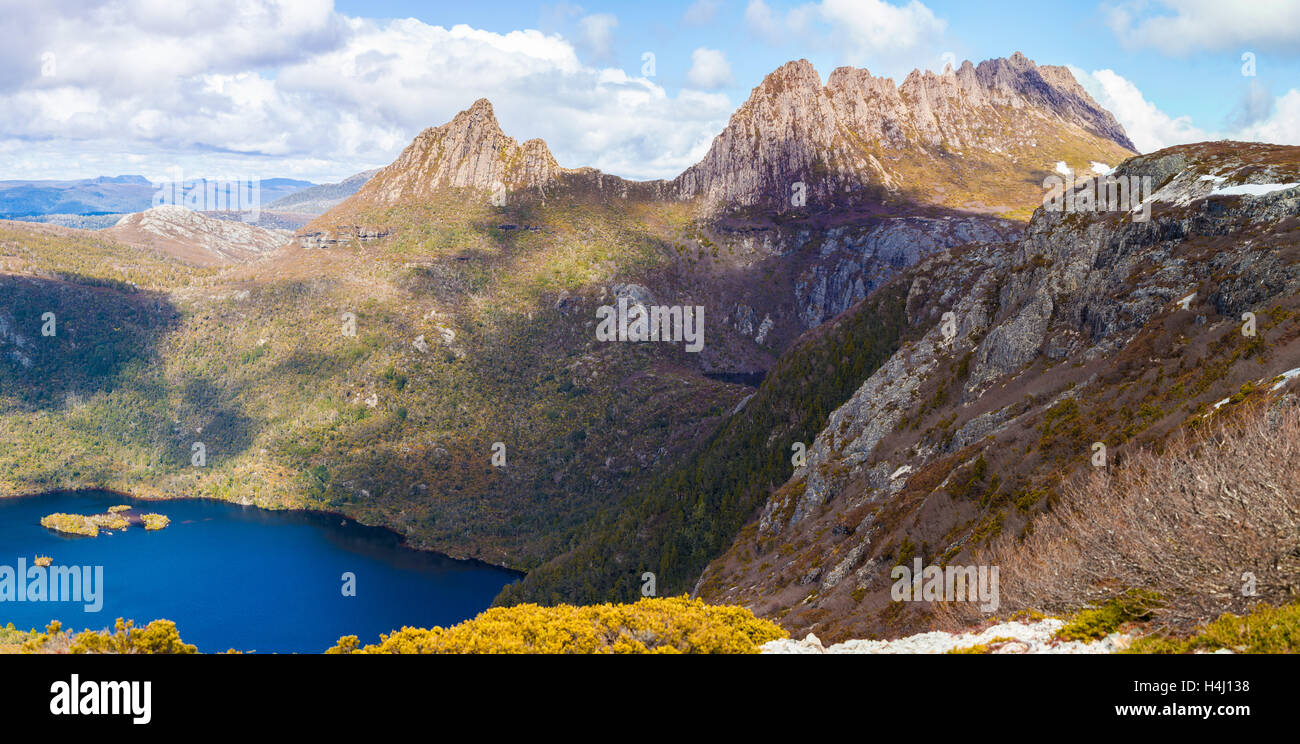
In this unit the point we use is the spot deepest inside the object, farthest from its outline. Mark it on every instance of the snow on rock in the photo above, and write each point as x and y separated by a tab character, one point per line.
1254	189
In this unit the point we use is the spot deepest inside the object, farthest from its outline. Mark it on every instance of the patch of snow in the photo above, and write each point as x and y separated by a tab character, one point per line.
1102	169
1063	169
1254	189
1286	376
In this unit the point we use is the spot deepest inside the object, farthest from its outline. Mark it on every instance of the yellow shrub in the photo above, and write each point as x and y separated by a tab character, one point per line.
158	637
668	625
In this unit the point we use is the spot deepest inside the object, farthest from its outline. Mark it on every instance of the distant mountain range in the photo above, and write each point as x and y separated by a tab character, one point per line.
318	200
105	195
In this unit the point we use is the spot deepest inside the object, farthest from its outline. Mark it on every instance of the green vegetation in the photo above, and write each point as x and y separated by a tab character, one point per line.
669	625
71	524
109	521
684	520
1266	630
152	357
90	525
1132	606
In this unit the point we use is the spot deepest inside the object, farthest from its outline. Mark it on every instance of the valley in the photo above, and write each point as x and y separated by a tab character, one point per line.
413	322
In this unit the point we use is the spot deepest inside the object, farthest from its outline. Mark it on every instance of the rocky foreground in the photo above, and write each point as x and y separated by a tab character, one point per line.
1005	638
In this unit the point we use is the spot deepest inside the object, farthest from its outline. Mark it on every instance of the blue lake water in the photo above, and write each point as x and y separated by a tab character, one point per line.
242	577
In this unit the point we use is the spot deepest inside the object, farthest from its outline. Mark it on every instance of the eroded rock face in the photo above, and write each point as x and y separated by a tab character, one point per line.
193	237
850	266
840	144
470	151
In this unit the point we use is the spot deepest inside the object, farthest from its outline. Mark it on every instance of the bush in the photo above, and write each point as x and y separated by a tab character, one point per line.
668	625
1266	630
158	637
1214	513
1094	624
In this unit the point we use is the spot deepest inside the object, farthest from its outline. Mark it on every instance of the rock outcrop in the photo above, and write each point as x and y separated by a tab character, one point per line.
197	238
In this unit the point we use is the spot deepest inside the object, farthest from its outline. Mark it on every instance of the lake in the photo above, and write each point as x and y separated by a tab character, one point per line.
240	577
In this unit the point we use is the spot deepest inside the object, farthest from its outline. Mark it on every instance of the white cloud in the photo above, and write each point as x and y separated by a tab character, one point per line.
350	97
866	26
709	69
1151	129
762	21
1283	127
1147	126
701	12
597	32
1183	26
860	30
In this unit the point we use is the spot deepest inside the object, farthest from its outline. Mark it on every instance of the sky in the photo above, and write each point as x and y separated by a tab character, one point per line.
321	89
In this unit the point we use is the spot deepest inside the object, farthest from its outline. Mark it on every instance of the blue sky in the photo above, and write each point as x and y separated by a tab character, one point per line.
319	90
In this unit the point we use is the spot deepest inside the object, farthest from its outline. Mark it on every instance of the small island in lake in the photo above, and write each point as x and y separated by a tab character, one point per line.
116	518
43	561
71	524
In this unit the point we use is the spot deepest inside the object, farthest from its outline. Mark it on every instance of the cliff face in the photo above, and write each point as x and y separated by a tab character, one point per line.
1093	327
845	142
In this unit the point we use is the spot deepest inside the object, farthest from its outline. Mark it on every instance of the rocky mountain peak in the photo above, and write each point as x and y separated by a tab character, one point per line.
470	151
842	141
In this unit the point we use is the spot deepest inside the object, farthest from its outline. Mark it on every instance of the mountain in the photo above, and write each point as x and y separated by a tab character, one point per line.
105	195
87	196
1095	327
195	237
317	200
979	138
